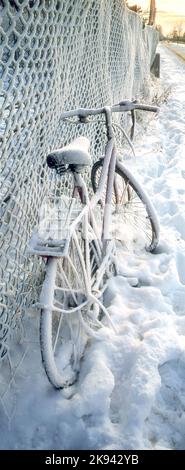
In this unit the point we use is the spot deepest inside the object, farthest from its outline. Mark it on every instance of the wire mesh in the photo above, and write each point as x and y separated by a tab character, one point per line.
55	55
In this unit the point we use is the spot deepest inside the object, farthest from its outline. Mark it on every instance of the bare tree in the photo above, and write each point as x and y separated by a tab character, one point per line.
177	32
180	27
135	7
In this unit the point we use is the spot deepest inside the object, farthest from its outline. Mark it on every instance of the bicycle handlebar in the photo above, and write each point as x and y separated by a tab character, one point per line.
123	106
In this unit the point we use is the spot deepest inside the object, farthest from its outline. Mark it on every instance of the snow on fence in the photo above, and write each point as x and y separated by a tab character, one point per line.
55	55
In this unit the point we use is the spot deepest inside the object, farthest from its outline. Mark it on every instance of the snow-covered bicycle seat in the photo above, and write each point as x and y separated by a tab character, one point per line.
75	153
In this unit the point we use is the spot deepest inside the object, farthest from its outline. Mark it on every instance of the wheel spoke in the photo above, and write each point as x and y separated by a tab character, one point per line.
57	335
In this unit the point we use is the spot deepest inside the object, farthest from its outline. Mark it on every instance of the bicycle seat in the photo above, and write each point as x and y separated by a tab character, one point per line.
76	153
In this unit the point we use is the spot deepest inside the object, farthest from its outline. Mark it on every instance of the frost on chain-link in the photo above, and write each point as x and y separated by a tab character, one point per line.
55	55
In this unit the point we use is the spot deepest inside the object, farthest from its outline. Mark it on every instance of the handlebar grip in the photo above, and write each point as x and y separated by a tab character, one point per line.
128	105
146	107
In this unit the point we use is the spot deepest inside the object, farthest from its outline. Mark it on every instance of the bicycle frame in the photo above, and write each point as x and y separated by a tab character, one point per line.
102	241
107	175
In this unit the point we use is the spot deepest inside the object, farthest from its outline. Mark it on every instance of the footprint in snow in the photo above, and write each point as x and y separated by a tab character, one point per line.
166	424
172	394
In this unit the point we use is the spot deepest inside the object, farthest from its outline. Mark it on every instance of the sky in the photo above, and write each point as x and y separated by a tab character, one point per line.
170	13
175	6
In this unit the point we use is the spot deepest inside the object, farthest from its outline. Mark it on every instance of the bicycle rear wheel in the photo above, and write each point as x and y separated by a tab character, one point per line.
132	209
69	316
62	336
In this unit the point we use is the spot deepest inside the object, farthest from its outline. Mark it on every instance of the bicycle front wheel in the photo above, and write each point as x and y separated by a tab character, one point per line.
133	214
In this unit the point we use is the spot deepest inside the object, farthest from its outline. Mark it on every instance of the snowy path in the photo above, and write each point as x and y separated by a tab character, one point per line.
131	390
179	49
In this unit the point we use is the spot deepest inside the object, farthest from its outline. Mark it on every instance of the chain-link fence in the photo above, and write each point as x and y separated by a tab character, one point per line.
55	55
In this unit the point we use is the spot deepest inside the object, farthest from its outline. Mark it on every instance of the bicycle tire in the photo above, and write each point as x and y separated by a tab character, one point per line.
63	275
132	193
61	361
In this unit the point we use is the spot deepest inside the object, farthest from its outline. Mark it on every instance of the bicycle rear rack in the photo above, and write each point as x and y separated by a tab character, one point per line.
52	235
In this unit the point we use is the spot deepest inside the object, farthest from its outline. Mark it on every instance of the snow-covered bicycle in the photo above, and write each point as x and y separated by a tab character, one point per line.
79	243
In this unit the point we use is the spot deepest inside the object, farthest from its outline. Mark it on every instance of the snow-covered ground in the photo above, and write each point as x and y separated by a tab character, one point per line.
179	49
131	389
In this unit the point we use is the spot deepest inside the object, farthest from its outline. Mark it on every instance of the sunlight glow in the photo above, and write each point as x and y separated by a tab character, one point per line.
171	6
